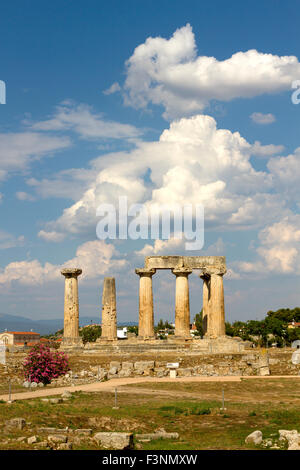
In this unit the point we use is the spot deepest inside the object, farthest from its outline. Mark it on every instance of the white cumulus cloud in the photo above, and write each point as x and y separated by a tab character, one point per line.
169	72
193	162
95	258
279	249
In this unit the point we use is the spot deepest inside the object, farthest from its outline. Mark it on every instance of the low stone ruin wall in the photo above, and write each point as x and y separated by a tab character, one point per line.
88	369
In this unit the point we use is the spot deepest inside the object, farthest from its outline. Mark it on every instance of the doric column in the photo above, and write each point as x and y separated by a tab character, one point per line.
205	307
216	310
182	302
71	307
146	314
109	310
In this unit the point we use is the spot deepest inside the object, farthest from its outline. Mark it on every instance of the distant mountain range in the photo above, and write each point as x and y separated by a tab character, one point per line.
44	327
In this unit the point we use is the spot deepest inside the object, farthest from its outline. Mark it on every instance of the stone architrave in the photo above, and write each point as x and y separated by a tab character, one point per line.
146	313
182	302
71	306
109	310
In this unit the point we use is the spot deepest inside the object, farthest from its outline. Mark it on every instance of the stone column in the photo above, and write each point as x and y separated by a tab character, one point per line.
146	314
182	302
216	317
109	311
71	307
206	298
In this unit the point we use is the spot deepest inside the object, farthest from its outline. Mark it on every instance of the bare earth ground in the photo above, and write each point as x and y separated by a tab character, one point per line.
187	405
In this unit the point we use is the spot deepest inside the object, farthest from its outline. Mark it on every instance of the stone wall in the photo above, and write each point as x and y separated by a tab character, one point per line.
90	368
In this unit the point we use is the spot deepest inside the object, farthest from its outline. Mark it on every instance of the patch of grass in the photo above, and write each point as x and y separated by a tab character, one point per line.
187	409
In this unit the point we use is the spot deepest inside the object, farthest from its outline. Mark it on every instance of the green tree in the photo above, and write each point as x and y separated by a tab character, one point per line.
90	334
133	329
199	324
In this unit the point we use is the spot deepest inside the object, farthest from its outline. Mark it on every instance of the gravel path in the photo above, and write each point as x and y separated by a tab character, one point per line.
110	385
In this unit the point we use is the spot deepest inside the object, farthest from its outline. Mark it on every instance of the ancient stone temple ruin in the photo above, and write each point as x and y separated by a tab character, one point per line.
211	268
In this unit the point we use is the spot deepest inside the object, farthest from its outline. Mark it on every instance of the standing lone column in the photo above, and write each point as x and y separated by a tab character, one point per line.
71	307
182	302
109	311
206	298
146	314
216	318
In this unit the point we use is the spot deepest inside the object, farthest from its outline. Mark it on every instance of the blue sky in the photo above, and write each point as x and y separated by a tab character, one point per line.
68	142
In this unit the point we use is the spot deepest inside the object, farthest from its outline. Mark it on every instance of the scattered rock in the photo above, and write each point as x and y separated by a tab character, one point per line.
86	432
158	434
254	438
57	438
292	437
267	443
32	440
53	430
113	371
54	401
43	444
66	394
115	440
18	423
65	446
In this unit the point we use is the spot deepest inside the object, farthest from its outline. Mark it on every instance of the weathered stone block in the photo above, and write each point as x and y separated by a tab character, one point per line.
125	373
115	364
163	262
57	438
86	432
115	440
32	440
127	365
187	372
18	423
143	365
156	435
65	446
254	438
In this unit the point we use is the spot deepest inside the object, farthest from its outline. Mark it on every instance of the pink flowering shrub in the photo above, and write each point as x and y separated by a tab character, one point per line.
42	365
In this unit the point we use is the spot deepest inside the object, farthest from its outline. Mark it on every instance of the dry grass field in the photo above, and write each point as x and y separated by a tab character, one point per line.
191	409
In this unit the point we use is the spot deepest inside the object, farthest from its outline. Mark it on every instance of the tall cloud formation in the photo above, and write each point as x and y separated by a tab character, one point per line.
169	73
193	162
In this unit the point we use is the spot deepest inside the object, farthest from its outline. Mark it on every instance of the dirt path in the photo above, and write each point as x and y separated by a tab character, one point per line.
110	385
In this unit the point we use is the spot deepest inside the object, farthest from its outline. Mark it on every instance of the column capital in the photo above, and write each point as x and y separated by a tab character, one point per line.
145	272
182	271
71	272
207	272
